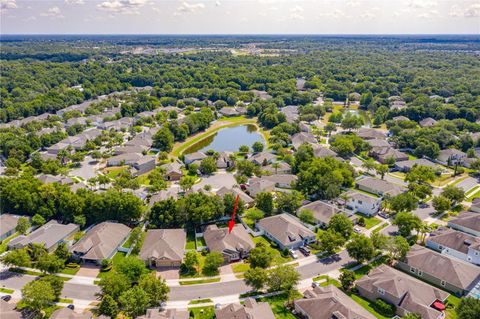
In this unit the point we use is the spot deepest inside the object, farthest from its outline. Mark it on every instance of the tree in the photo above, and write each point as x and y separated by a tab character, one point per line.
329	128
186	183
420	191
243	149
37	295
407	222
361	248
134	301
412	316
441	204
163	214
155	288
351	122
114	284
453	193
306	216
23	225
342	225
420	174
257	147
369	164
213	260
62	252
108	307
17	257
381	169
288	202
50	263
264	202
55	282
208	165
260	256
347	278
256	278
191	261
38	220
282	278
132	268
254	214
469	308
330	241
163	139
405	202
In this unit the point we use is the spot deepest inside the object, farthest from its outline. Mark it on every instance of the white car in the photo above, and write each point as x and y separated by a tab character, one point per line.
357	230
293	254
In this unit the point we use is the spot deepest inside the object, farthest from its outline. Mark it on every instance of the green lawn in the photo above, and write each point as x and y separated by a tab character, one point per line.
473	193
362	271
199	281
367	305
62	300
190	241
240	267
202	312
277	303
369	221
70	270
116	258
199	301
6	290
452	303
277	256
3	245
201	242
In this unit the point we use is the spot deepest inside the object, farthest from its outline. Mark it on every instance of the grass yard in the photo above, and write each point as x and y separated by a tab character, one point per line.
115	260
277	303
190	241
451	304
367	305
473	193
201	242
198	282
240	267
277	256
199	301
3	245
62	300
202	312
6	290
70	270
113	172
369	221
362	271
198	273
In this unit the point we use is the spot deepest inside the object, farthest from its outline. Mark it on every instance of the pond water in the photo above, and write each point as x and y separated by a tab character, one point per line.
361	113
228	139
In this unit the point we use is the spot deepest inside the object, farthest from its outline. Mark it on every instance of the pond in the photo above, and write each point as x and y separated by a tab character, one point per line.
362	113
228	139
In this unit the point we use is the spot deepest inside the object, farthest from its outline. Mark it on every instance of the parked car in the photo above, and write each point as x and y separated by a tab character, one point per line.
357	230
315	284
423	205
71	307
293	254
7	298
304	250
383	215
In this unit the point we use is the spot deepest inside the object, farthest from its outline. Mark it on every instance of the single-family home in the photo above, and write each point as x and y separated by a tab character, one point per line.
278	168
100	242
286	231
371	133
398	105
322	212
228	111
60	179
258	185
164	247
467	222
455	243
451	157
406	293
452	274
50	235
144	165
261	95
262	158
281	180
163	195
193	157
323	152
405	166
67	313
173	171
8	223
427	122
329	302
363	203
233	246
251	309
224	160
130	149
291	113
379	187
157	313
475	207
249	202
385	154
301	138
124	159
400	118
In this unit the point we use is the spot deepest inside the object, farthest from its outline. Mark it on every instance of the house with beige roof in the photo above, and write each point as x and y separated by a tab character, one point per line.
165	314
286	231
251	309
233	246
467	222
50	235
67	313
164	247
407	293
322	212
329	302
456	244
441	270
379	187
9	311
8	223
101	242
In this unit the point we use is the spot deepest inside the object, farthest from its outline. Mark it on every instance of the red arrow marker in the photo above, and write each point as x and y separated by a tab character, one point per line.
231	222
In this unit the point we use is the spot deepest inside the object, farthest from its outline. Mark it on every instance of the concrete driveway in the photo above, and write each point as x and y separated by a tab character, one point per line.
168	273
87	170
468	183
88	271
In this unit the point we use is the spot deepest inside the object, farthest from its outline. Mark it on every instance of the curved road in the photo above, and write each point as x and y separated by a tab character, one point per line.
181	293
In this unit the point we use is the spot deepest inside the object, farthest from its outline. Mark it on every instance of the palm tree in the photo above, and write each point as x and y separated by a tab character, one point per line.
368	164
276	166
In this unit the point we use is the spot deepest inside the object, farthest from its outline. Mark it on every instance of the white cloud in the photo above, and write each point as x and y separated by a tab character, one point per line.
74	1
53	12
6	5
472	11
352	3
422	4
335	14
429	14
186	8
217	3
296	13
122	6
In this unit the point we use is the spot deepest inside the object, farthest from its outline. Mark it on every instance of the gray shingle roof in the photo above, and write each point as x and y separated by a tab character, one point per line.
164	244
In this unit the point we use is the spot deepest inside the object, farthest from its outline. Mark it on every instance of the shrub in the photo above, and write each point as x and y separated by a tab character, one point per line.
384	308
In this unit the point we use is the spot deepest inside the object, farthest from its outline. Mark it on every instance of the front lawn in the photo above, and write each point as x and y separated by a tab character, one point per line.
369	221
199	281
115	260
240	267
202	312
3	245
362	271
451	304
368	305
277	303
277	256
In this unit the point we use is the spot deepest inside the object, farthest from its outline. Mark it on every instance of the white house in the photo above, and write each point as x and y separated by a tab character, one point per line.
456	244
363	203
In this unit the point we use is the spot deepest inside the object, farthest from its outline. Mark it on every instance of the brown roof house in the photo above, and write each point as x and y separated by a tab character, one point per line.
8	223
262	158
100	242
286	231
251	309
322	211
281	180
427	122
456	244
371	133
468	222
441	270
156	313
249	202
329	302
379	187
233	246
451	156
173	171
50	235
408	294
258	185
8	311
164	247
67	313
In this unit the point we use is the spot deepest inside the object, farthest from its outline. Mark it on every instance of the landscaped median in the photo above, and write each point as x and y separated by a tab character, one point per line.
187	282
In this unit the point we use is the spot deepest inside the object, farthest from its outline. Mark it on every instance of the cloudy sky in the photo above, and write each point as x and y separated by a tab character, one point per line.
240	16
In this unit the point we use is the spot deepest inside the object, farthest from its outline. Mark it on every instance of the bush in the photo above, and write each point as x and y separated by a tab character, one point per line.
384	308
285	252
72	265
361	221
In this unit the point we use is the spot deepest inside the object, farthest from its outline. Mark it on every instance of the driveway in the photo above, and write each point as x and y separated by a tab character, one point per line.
87	170
424	213
468	183
168	273
390	230
88	271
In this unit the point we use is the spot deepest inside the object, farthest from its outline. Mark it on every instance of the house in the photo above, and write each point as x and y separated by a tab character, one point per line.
262	158
251	309
385	154
9	311
144	165
164	247
363	203
329	302
49	179
156	313
163	195
50	235
379	187
258	185
124	159
193	157
278	168
405	166
224	160
322	212
451	157
323	152
398	105
173	171
371	133
427	122
466	222
286	231
228	111
281	180
67	313
291	113
475	207
441	270
261	95
101	242
455	243
130	149
8	223
408	294
400	118
233	246
301	138
249	202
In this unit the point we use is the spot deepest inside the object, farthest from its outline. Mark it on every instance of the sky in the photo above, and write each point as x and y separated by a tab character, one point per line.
240	17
